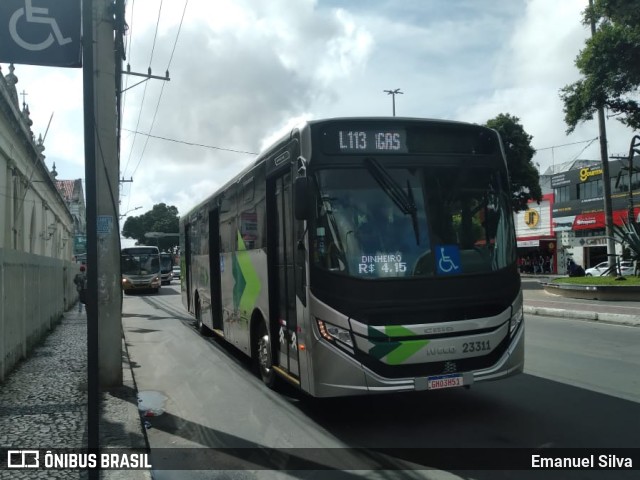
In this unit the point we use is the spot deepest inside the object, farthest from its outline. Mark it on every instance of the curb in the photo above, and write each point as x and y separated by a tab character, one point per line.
119	408
616	318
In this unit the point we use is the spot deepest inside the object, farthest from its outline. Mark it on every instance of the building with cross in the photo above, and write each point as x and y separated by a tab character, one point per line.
34	217
36	234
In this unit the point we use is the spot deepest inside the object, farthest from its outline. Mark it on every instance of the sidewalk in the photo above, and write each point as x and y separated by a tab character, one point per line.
43	404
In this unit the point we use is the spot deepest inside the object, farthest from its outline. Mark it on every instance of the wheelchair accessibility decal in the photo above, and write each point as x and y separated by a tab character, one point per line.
448	259
44	34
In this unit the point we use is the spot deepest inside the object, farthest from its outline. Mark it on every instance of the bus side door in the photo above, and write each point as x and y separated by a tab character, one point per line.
284	328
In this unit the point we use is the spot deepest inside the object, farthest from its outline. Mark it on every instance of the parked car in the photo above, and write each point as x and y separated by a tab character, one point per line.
176	271
626	268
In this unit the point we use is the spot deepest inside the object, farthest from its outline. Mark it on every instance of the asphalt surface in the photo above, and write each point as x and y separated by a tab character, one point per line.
43	401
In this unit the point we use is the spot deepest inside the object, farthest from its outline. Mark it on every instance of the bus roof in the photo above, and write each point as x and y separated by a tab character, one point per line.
324	121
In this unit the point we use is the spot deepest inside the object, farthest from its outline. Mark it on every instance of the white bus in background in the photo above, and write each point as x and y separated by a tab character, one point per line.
140	268
166	268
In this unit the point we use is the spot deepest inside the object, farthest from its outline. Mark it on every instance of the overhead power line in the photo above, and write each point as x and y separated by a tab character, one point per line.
155	113
213	147
566	144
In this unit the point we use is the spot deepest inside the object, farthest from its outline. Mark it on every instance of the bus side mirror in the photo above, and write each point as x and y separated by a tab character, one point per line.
301	198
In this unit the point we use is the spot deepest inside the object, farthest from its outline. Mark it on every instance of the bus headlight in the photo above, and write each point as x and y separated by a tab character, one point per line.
516	320
332	333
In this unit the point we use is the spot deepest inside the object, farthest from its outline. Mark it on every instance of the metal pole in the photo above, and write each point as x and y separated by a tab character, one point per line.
608	215
93	389
633	148
393	97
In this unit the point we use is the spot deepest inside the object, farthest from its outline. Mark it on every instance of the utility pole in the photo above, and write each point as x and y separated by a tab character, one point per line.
104	299
634	148
608	213
107	179
93	387
104	306
393	94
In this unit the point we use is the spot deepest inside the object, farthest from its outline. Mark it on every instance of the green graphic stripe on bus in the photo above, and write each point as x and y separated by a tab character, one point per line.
239	283
252	286
390	331
398	331
396	352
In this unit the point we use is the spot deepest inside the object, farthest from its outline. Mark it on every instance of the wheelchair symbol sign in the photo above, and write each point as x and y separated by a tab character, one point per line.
448	259
46	33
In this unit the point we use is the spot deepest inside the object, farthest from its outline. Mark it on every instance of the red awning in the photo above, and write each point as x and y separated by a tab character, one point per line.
595	221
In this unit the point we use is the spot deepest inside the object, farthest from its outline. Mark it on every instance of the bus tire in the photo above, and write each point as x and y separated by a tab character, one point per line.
264	360
199	323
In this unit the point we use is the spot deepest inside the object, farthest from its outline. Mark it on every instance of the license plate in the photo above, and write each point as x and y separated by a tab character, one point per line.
445	381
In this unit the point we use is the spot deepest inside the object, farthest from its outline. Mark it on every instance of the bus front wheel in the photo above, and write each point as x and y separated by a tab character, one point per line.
265	363
199	324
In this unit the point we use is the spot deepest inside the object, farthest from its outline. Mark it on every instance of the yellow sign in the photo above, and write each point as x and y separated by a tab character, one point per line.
531	218
585	173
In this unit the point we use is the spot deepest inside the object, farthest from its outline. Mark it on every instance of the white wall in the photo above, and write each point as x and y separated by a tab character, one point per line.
34	293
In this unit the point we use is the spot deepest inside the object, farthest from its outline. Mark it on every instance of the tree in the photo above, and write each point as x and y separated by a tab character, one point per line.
610	64
525	180
629	233
161	218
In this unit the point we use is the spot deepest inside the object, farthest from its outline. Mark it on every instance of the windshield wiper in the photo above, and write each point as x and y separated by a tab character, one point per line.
404	201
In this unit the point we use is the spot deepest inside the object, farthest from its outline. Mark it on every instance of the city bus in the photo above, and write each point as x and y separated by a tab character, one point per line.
166	268
140	268
362	256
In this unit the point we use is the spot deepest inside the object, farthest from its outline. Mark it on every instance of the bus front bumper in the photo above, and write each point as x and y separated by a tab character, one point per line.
129	285
346	376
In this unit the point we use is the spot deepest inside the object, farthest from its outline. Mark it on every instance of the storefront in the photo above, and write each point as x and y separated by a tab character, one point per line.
578	210
537	244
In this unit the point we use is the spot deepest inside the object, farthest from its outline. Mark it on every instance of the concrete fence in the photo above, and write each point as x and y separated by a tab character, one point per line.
34	293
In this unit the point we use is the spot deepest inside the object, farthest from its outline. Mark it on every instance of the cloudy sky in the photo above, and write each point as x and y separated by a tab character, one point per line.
244	71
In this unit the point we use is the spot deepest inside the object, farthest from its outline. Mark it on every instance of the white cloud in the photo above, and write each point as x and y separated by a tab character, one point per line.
245	71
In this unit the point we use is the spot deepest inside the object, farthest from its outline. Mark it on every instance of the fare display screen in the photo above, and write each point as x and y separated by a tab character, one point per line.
393	140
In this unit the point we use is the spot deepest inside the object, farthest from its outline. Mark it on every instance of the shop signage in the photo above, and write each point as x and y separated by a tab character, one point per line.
528	243
531	218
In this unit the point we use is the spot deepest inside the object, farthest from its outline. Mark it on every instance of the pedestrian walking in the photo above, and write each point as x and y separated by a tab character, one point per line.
81	285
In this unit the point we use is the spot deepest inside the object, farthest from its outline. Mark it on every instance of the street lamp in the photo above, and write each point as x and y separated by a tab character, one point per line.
129	211
393	94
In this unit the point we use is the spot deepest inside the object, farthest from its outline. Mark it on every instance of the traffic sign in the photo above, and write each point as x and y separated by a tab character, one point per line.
41	32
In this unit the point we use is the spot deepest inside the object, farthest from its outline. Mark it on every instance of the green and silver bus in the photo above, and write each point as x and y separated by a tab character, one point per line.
363	255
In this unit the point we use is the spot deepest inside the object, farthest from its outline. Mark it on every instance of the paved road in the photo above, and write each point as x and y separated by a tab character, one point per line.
579	390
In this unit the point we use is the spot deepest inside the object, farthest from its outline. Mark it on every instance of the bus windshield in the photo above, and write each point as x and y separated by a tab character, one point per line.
377	222
166	262
140	263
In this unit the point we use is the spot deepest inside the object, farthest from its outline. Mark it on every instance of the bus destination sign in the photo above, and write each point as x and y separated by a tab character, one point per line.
372	141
